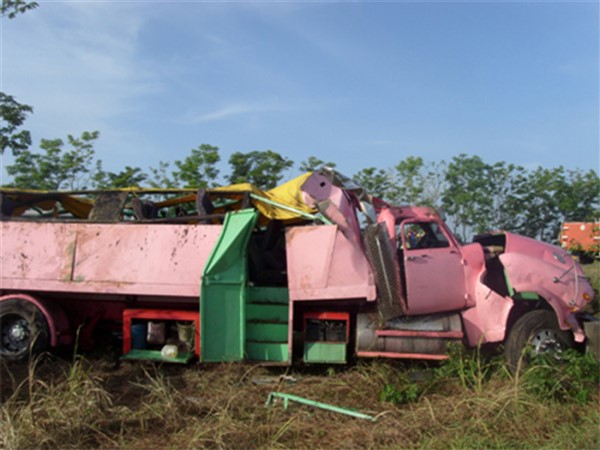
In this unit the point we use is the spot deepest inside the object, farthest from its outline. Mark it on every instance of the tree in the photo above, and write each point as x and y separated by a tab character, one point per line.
13	113
313	163
579	199
198	170
11	8
55	168
128	177
553	196
160	179
540	216
12	116
467	197
508	186
264	169
375	181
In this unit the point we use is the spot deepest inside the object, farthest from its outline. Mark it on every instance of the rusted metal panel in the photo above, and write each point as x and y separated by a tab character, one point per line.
324	264
106	258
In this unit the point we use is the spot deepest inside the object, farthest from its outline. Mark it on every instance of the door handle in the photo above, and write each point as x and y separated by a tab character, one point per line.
414	258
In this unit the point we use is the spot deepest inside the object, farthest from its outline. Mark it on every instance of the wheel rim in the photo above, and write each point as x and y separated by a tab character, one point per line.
547	341
16	334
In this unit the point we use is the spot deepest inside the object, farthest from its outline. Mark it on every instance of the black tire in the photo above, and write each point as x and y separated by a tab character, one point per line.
535	333
23	330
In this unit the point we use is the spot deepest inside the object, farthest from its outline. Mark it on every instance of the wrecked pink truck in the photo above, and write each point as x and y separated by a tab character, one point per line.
314	270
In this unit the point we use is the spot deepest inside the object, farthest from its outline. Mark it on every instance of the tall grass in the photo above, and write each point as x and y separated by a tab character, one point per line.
467	402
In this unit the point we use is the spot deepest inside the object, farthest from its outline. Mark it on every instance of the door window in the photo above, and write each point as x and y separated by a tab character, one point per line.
419	235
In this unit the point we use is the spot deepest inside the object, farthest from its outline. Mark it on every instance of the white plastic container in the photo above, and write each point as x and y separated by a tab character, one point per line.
169	351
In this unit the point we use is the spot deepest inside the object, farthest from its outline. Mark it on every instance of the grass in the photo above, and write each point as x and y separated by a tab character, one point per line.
592	271
468	402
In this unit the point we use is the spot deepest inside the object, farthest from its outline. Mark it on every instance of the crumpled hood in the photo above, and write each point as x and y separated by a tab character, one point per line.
551	254
550	271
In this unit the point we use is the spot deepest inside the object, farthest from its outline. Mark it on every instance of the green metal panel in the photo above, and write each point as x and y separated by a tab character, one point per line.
156	355
519	295
526	296
223	291
267	324
270	313
262	295
267	332
267	351
324	352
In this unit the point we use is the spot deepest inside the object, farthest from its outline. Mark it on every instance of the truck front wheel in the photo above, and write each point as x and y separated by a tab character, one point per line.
23	330
535	333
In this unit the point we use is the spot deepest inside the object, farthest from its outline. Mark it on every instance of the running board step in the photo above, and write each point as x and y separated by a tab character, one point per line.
422	334
394	355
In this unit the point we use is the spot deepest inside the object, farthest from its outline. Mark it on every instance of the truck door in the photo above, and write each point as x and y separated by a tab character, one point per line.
434	273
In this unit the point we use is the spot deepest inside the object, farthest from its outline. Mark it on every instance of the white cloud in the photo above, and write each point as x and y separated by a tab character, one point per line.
75	63
232	110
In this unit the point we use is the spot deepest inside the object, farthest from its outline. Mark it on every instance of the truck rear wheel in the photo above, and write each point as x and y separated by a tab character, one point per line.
23	330
535	333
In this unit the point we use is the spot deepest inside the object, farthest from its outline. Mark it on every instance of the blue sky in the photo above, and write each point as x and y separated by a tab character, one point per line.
360	84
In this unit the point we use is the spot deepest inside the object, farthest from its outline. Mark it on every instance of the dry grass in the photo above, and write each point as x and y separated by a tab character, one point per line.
92	404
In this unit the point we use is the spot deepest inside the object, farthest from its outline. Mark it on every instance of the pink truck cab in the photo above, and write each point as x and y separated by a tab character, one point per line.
314	270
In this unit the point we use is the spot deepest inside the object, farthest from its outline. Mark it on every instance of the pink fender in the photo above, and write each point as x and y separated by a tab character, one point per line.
473	261
58	324
486	322
557	278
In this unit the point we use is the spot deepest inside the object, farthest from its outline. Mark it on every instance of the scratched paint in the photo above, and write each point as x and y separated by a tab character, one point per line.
123	258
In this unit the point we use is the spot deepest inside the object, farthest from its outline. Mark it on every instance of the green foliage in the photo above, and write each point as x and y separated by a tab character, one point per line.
411	183
399	394
12	8
198	170
55	168
313	163
160	178
262	168
417	182
13	113
572	377
128	177
468	366
375	181
468	193
12	116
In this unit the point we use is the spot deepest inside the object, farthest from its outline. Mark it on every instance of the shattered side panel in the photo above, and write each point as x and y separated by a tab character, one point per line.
106	258
474	262
324	264
486	322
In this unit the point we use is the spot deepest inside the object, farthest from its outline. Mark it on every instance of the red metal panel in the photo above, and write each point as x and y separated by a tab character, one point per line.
159	314
329	315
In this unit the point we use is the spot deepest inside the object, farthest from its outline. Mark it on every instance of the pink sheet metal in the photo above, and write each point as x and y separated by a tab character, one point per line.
324	264
557	277
75	257
486	322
